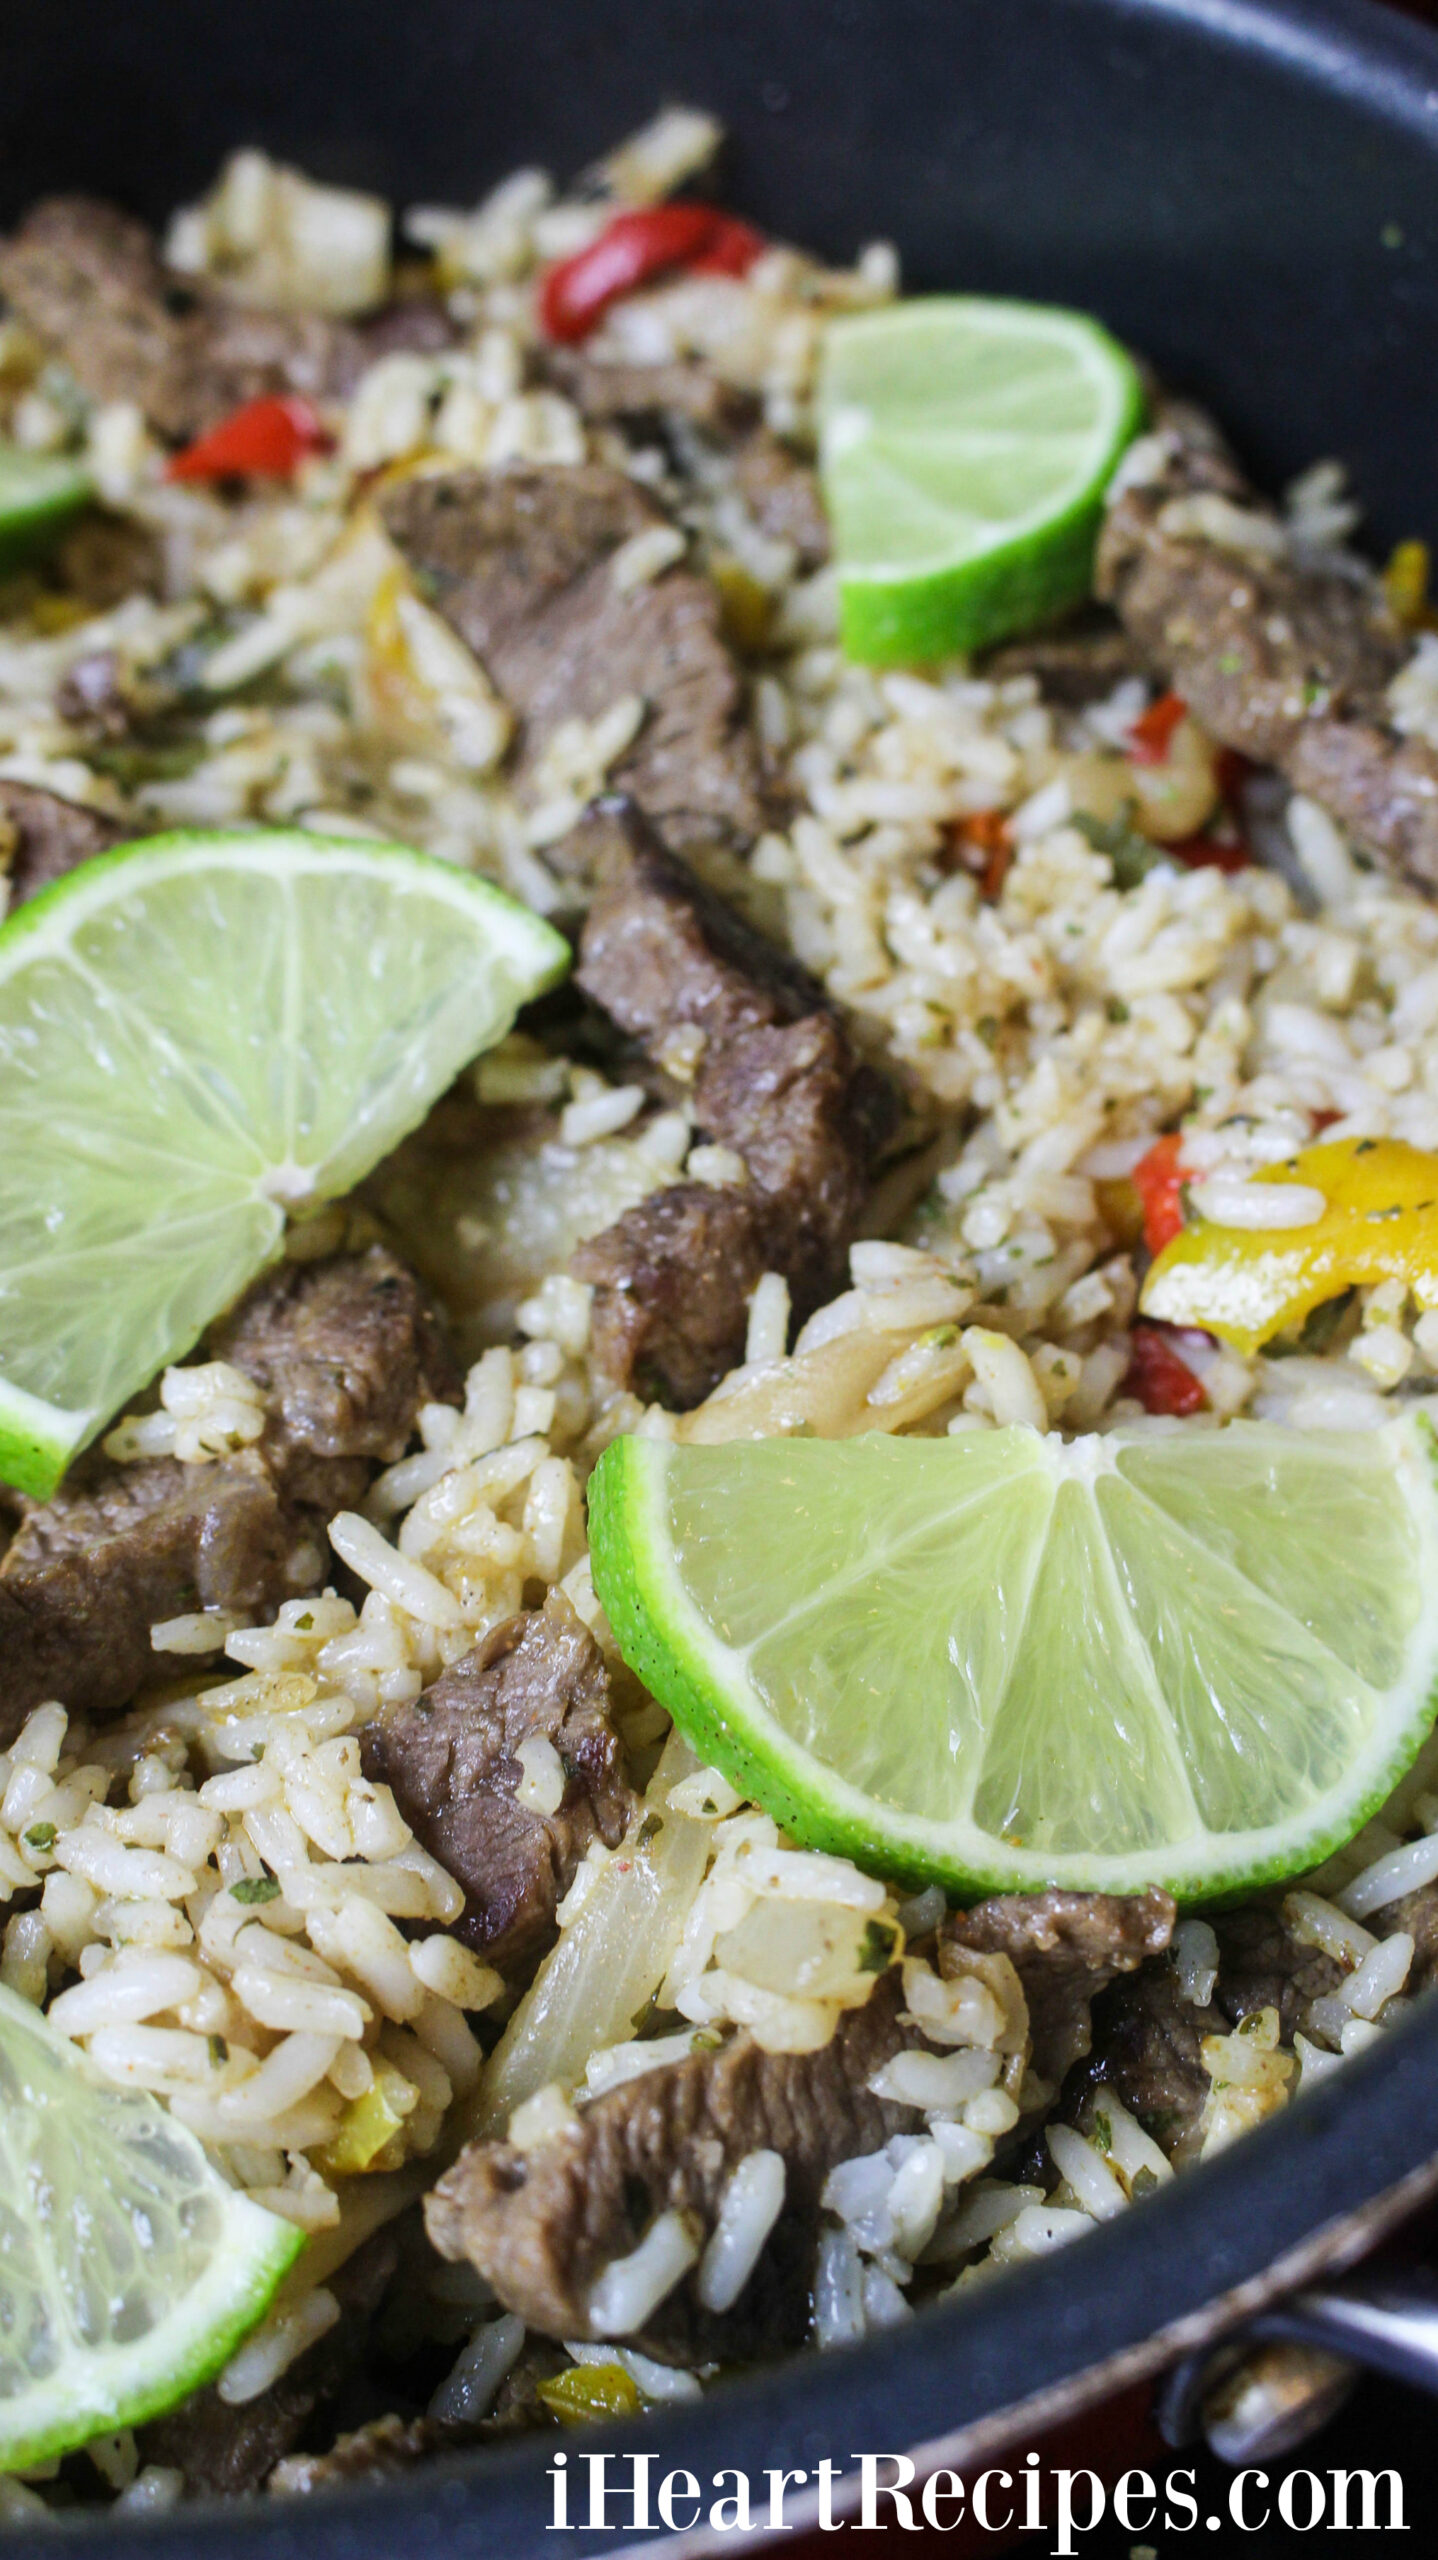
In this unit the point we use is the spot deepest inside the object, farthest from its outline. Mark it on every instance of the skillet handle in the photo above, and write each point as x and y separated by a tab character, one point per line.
1384	2316
1271	2383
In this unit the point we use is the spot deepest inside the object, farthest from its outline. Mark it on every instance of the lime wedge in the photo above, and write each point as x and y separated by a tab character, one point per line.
965	446
39	493
998	1662
129	2270
197	1033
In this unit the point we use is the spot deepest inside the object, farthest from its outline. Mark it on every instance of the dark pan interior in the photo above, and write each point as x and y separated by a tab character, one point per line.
1246	192
1250	195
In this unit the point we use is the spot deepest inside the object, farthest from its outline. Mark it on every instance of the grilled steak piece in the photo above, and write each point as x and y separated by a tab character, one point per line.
519	561
451	1761
777	485
1078	663
645	395
672	1280
774	1078
1286	661
89	282
1147	2039
225	2451
1066	1948
42	837
781	492
542	2225
347	1351
350	1349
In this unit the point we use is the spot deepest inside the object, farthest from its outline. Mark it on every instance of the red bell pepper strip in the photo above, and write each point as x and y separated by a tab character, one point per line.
1151	735
731	252
271	435
1158	1178
1161	1381
1210	853
631	249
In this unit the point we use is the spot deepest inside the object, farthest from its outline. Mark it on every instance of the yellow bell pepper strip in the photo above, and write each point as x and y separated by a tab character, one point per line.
589	2391
1247	1284
361	2140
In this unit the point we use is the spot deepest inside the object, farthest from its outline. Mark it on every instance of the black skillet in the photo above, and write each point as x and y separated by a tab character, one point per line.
1248	191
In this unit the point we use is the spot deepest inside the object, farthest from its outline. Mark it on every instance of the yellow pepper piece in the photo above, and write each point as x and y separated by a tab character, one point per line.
590	2391
369	2125
1246	1284
1405	582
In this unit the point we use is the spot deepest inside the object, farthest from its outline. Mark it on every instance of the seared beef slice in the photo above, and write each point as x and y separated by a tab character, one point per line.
348	1350
89	283
543	2224
1287	662
451	1761
42	837
774	1078
521	563
1066	1948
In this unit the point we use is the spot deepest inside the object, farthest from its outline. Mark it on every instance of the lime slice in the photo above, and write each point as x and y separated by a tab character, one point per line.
196	1033
965	446
1189	1658
39	493
131	2271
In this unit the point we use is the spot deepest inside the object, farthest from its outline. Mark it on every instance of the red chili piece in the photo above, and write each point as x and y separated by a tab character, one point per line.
1152	734
732	251
1161	1381
631	249
271	435
1158	1178
1209	853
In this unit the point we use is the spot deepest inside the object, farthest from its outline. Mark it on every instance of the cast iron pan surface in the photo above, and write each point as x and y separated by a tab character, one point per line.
1248	193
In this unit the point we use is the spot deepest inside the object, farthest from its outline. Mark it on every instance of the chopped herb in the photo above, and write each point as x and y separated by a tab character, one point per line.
987	1028
1131	856
649	1829
132	763
41	1835
1117	1010
1375	1217
256	1889
1102	2136
219	2051
709	1805
304	1624
1230	664
1365	1146
1143	2183
877	1950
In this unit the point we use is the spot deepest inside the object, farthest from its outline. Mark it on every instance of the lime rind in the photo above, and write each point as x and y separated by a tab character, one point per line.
965	513
40	493
197	1032
707	1684
103	2190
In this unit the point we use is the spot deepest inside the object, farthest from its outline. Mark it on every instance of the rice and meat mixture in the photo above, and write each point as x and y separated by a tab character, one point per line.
322	1780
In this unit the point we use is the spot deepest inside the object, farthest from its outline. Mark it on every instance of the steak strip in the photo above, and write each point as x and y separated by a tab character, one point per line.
42	837
348	1351
452	1762
1066	1948
1147	2039
1286	661
519	562
774	1078
542	2225
90	284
